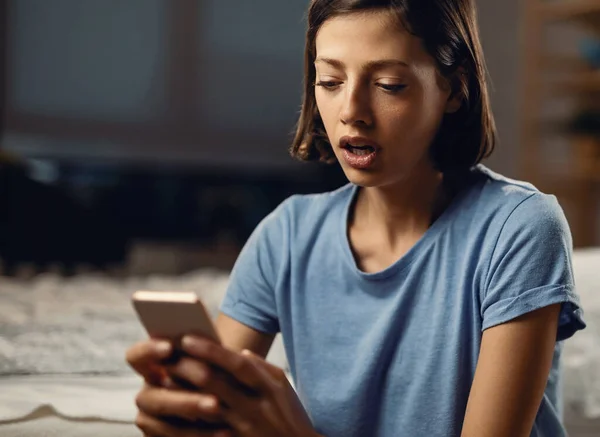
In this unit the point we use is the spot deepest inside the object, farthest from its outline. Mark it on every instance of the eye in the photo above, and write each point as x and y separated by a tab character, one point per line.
391	88
328	85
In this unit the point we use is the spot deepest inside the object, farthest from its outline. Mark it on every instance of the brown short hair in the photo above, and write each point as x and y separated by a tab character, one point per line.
448	29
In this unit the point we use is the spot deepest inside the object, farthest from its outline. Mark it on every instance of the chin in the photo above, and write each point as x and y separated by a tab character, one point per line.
364	178
374	178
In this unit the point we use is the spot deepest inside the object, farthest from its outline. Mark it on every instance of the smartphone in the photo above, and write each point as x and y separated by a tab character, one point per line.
172	314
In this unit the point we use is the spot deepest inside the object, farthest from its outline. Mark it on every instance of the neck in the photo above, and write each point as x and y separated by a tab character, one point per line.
403	209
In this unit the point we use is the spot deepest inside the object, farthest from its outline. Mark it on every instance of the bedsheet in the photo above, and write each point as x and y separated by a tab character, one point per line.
77	330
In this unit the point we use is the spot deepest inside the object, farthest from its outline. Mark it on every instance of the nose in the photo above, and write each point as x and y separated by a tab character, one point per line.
356	109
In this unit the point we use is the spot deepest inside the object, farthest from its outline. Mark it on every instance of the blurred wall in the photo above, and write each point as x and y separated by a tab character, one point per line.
108	61
499	25
154	80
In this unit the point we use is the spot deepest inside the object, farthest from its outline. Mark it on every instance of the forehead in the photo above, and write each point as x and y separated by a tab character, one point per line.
367	35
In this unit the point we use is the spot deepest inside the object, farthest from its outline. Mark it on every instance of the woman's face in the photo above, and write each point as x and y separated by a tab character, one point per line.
379	96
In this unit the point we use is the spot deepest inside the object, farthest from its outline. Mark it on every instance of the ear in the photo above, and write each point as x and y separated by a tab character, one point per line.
458	84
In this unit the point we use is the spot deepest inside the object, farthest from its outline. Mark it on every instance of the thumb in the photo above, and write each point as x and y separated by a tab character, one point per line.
146	358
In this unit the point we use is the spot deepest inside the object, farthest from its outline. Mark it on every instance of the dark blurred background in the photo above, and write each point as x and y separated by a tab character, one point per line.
151	136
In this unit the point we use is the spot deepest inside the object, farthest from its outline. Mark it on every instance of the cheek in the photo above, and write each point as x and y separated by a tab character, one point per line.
327	110
417	116
401	119
434	101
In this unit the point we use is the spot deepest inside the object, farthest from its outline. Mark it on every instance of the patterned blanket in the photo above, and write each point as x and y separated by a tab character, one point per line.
52	325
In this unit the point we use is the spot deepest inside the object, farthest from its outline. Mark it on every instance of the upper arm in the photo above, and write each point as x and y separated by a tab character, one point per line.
249	317
531	268
237	336
527	302
511	375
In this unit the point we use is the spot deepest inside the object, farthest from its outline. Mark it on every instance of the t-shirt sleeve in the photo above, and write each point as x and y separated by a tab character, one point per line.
531	267
250	297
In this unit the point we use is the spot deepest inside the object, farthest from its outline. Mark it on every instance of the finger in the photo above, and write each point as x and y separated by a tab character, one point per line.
145	358
234	363
160	402
190	371
152	426
276	372
232	394
242	425
170	383
281	392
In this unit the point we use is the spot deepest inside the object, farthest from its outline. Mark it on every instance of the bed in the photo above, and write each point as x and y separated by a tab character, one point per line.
62	343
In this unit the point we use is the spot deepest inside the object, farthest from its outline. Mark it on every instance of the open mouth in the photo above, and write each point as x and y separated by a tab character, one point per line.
359	146
360	150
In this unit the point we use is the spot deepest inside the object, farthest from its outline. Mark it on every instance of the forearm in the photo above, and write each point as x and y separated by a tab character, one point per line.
237	336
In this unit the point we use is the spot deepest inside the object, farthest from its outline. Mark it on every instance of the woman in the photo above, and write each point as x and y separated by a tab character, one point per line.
428	297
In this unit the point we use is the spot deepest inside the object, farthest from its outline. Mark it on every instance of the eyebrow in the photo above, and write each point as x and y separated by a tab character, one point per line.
371	65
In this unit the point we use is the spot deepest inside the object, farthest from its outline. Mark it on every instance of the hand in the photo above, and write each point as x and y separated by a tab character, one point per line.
257	399
165	408
147	358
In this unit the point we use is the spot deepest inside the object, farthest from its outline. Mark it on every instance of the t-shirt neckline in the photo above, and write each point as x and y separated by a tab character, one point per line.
426	240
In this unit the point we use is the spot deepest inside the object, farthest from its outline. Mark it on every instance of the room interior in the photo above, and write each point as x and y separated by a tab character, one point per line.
142	142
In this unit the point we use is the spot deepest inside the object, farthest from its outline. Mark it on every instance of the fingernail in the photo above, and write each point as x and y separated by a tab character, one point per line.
207	403
162	347
247	352
188	341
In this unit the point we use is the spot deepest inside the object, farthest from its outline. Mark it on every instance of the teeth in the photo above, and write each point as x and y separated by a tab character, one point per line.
361	152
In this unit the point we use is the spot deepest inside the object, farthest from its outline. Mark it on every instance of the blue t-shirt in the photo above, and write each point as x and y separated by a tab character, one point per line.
394	352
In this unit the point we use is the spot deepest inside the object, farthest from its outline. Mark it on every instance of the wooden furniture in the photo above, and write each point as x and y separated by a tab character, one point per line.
551	81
